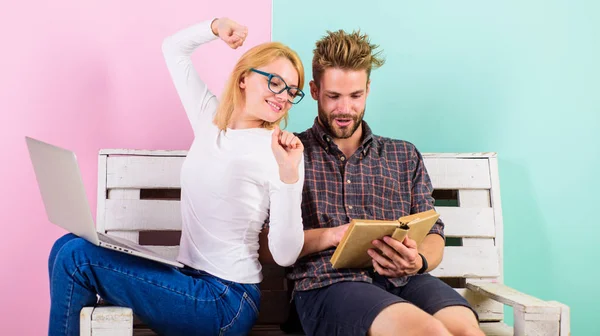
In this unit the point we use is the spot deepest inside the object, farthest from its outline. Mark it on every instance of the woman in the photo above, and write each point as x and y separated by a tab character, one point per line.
240	171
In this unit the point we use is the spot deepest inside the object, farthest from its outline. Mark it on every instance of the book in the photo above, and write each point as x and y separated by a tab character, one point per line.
351	252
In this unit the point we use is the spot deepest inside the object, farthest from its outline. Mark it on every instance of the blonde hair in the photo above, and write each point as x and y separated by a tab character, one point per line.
258	56
345	51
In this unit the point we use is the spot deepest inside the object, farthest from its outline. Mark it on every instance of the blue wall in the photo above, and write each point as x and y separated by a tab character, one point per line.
518	78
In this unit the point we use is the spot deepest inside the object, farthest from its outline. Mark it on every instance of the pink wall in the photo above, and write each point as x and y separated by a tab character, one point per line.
88	75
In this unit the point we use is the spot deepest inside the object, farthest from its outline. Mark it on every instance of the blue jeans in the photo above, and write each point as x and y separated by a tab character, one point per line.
169	300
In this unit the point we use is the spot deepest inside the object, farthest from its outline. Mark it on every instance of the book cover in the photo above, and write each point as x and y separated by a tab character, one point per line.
352	249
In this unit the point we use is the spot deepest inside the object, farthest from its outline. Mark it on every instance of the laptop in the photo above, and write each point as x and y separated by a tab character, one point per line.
63	193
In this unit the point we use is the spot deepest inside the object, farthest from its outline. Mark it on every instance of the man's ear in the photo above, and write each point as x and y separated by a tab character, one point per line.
368	87
243	82
314	90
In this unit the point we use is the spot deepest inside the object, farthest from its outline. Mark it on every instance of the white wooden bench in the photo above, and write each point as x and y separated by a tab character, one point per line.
138	199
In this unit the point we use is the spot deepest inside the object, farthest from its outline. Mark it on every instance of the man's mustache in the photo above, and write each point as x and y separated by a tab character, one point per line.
344	116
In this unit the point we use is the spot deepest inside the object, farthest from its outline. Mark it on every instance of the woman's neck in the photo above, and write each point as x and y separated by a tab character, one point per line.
240	119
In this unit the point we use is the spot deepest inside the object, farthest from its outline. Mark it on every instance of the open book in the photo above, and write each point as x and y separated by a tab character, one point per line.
352	250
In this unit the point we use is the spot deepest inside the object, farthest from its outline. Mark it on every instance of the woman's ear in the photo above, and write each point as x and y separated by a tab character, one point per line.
243	82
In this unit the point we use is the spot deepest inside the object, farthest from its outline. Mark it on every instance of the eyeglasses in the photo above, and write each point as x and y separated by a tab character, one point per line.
277	85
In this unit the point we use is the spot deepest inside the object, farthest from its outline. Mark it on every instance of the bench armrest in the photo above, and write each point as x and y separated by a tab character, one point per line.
532	316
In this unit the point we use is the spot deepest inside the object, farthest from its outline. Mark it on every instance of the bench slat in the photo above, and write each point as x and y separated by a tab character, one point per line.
468	262
148	215
142	215
140	172
458	262
452	173
166	251
474	198
467	222
142	152
163	172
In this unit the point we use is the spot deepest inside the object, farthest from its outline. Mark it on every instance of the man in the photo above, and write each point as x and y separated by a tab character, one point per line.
352	173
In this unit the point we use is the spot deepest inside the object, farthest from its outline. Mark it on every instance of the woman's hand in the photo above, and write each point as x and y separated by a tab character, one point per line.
231	32
288	151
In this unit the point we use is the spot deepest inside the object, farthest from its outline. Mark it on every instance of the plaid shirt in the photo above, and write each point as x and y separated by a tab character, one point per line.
384	179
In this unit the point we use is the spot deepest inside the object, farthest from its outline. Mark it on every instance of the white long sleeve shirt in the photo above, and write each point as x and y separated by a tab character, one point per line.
229	181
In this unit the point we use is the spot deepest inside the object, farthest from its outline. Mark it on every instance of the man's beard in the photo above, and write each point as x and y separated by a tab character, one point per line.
340	132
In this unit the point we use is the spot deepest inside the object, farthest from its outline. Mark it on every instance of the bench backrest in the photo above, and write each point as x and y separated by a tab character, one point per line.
139	192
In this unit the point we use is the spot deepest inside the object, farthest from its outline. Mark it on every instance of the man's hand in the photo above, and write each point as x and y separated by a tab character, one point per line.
334	235
317	240
231	32
398	259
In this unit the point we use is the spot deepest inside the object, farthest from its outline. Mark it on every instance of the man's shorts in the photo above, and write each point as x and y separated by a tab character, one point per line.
349	308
